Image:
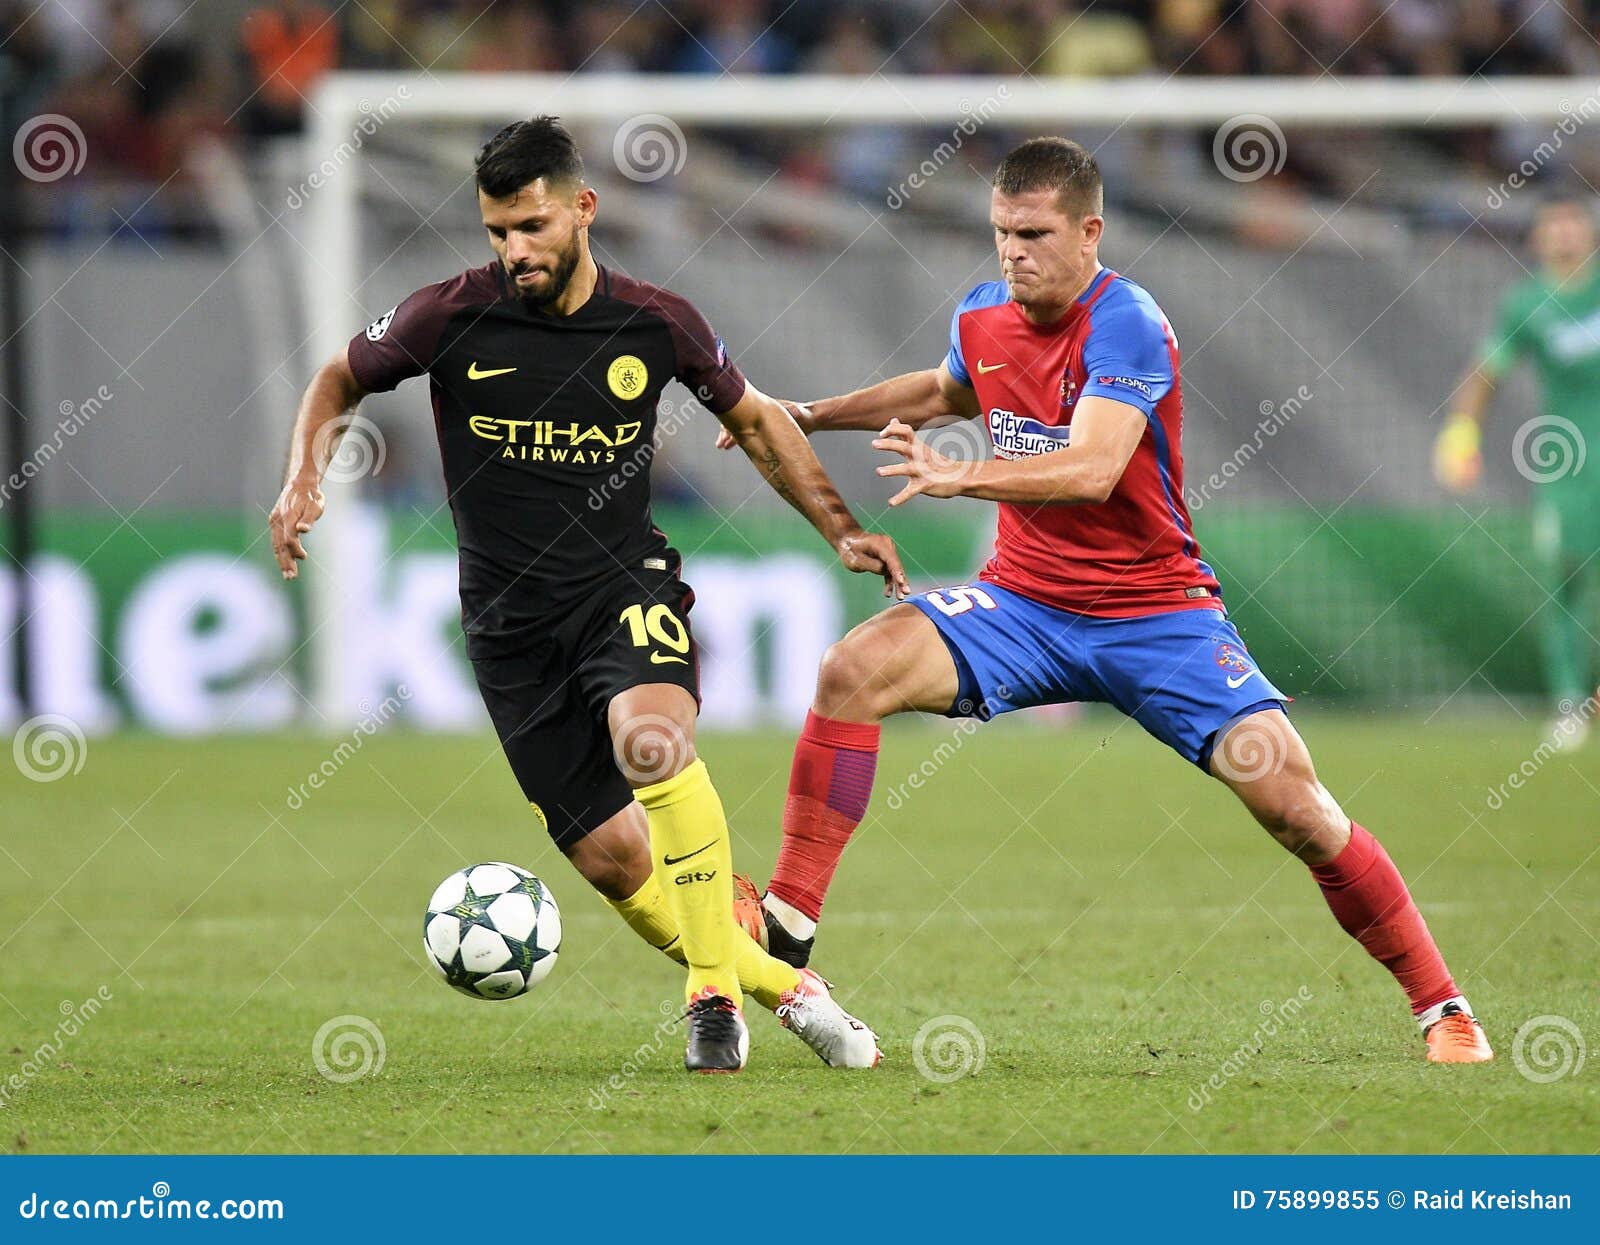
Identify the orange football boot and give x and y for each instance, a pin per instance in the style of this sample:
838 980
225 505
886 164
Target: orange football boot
1457 1037
747 909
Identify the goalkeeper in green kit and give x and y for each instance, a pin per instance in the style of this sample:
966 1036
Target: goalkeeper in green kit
1553 319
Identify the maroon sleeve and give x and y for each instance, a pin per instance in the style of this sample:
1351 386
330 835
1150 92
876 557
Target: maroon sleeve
703 362
701 358
404 341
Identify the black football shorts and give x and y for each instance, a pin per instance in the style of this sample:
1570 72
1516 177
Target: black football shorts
548 699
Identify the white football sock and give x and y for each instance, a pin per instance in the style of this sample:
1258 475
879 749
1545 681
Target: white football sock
1431 1017
796 923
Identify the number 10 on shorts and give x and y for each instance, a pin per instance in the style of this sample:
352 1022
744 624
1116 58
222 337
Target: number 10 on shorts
658 625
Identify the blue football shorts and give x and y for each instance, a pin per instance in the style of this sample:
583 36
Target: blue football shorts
1182 675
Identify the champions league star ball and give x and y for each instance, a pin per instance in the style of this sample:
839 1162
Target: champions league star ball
492 931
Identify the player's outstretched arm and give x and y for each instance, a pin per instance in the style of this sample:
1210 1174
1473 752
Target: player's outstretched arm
763 428
1457 451
332 394
915 399
1105 434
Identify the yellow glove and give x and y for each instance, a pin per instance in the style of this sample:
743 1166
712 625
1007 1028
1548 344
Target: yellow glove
1458 453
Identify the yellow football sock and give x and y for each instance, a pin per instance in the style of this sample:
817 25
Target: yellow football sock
765 979
645 912
693 859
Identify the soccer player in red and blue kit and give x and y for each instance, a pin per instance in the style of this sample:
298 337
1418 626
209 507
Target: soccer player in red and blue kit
1096 591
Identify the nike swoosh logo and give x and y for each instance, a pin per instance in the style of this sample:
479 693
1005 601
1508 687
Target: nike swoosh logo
993 367
660 659
1239 682
678 860
474 372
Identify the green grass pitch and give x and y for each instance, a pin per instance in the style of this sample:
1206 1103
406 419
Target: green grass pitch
1106 920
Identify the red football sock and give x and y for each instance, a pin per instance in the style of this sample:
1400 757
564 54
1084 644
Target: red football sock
829 786
1370 900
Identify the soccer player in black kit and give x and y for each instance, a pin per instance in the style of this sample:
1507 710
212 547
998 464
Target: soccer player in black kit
545 370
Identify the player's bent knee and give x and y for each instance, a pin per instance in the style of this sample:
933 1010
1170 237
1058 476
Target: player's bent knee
652 737
652 752
850 679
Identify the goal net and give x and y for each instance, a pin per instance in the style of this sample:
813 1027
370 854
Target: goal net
1329 254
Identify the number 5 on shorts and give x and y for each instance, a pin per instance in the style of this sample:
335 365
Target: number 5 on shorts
960 600
657 626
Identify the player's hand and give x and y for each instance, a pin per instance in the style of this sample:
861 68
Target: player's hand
1458 453
925 469
798 411
299 506
874 553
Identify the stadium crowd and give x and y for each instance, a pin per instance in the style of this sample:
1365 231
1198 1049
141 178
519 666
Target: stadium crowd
142 78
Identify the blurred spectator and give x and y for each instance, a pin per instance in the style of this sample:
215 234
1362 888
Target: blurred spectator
139 102
289 44
615 38
1087 40
30 59
515 36
1421 32
82 30
734 36
374 33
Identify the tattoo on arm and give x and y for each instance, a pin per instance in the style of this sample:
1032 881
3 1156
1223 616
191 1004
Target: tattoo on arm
772 468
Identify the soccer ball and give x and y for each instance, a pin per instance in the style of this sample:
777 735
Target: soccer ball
492 931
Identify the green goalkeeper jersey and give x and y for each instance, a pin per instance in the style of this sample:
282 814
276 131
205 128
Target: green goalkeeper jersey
1558 328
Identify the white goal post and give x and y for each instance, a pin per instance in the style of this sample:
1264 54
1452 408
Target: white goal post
344 102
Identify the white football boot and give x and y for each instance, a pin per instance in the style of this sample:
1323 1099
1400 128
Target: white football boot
839 1039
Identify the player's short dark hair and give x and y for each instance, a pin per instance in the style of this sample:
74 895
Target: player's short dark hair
525 151
1058 164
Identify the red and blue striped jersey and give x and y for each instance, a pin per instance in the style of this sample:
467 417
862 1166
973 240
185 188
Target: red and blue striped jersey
1135 553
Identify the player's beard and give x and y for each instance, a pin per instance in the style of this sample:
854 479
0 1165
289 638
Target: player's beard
560 278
